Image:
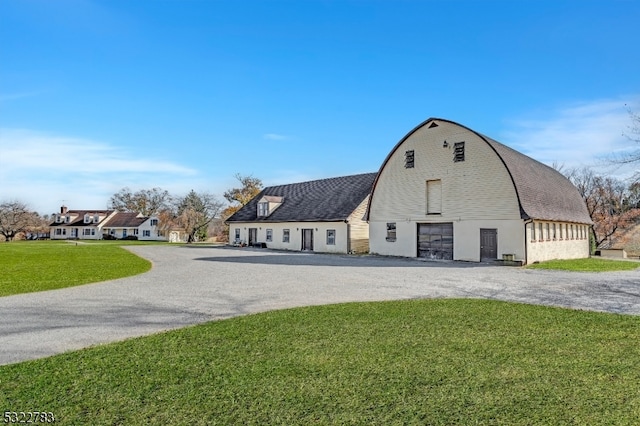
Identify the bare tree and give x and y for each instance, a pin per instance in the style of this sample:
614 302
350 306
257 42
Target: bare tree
148 202
15 218
611 204
238 197
194 213
633 135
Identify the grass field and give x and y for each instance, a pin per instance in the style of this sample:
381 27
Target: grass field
437 362
592 264
29 266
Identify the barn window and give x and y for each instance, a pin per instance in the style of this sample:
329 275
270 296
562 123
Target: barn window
533 232
434 196
391 231
409 159
331 237
458 152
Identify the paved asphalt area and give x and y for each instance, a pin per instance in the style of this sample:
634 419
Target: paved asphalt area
190 285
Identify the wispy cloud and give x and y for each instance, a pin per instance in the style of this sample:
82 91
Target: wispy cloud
5 97
275 137
43 169
576 135
26 149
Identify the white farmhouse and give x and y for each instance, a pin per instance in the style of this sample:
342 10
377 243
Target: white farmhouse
99 224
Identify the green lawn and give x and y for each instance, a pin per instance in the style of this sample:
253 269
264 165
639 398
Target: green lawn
29 266
436 362
592 264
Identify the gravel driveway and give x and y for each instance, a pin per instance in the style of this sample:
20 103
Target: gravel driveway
189 285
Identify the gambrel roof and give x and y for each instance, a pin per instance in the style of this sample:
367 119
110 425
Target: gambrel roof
543 193
324 200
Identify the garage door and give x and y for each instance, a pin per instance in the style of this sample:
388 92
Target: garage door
435 241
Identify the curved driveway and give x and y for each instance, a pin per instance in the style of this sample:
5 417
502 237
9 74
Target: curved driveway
189 285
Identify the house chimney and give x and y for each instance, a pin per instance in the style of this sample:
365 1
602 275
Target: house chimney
63 209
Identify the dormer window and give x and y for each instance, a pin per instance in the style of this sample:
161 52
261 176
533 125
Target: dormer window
263 209
96 218
268 204
67 219
87 218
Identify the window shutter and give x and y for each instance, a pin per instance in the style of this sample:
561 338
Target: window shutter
434 196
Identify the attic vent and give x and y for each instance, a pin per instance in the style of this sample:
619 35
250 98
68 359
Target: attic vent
458 152
408 159
433 124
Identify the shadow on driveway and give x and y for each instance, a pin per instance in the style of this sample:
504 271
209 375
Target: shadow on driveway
258 257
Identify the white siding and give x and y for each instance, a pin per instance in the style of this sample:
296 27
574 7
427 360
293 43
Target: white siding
434 197
565 245
475 193
295 235
478 188
359 229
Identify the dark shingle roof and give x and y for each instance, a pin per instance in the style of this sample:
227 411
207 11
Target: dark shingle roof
543 193
125 220
79 220
323 200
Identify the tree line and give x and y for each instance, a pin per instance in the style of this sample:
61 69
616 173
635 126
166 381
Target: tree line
613 203
194 213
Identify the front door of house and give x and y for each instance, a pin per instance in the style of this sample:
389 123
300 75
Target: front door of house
307 239
488 244
253 236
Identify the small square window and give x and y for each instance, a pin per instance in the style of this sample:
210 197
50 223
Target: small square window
391 231
458 152
409 157
331 237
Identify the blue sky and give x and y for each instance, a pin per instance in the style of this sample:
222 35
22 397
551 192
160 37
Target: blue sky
98 95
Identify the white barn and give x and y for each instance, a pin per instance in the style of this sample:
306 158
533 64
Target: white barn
448 192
